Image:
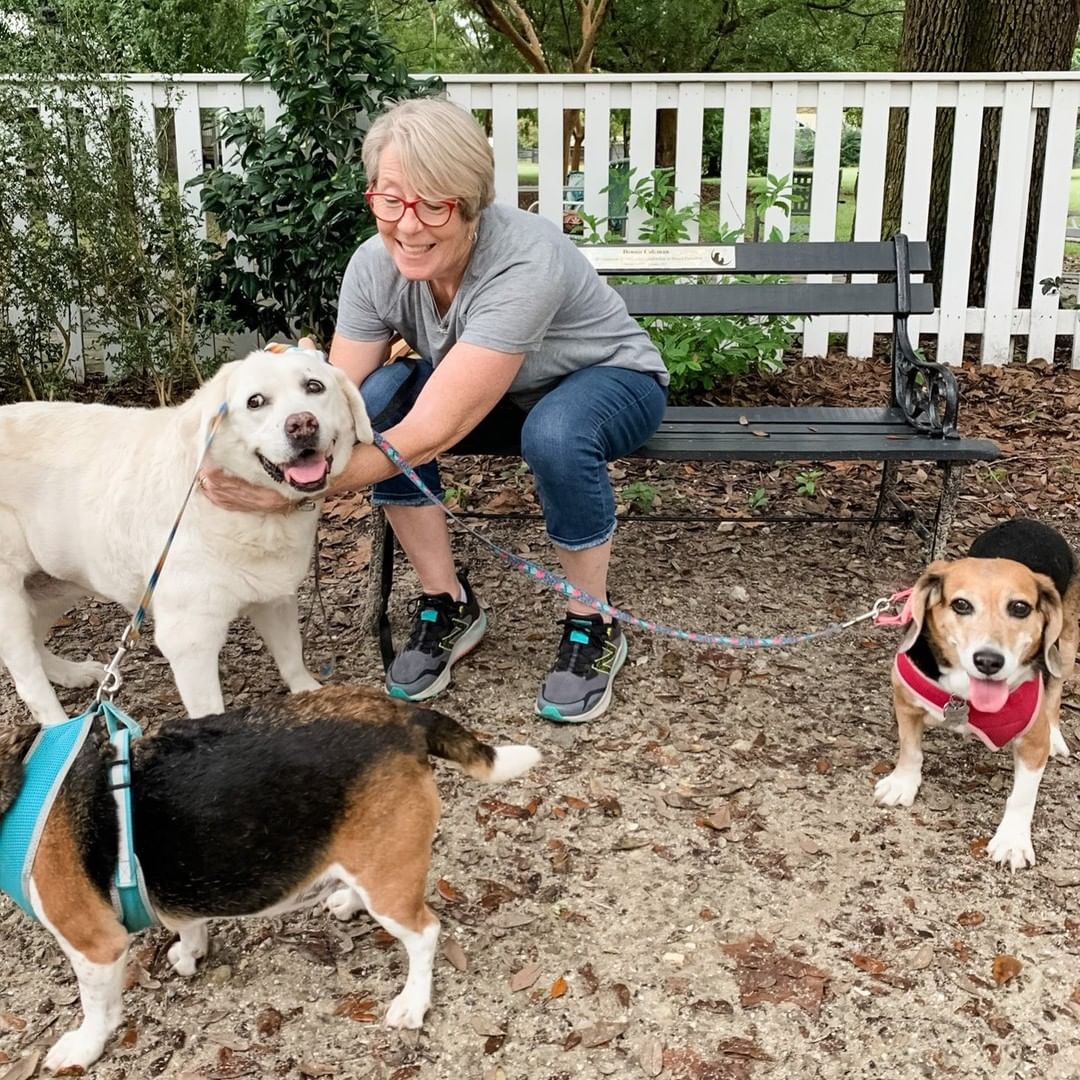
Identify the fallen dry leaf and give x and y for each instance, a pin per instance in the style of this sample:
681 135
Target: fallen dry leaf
24 1068
10 1022
601 1034
449 893
765 975
650 1056
314 1068
268 1022
358 1007
485 1026
454 953
1004 968
523 979
971 918
558 988
870 964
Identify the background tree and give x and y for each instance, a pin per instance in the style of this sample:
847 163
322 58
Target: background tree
978 35
296 213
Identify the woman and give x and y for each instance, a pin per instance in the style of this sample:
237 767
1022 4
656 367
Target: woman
525 347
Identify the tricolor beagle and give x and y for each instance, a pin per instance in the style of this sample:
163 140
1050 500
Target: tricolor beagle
325 795
998 630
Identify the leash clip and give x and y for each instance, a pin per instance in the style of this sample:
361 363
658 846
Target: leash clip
112 680
883 605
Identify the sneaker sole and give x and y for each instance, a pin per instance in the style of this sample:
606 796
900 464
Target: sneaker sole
465 645
551 712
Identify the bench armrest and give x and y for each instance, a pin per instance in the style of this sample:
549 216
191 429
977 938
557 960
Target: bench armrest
926 391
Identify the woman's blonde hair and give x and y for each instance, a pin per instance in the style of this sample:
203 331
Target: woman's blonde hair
443 152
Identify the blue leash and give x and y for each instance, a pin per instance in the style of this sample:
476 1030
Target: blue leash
559 584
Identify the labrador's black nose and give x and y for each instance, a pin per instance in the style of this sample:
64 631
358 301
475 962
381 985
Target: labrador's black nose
988 661
301 425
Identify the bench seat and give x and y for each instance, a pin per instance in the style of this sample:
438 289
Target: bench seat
807 433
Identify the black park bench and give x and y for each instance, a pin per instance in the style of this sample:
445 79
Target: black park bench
918 423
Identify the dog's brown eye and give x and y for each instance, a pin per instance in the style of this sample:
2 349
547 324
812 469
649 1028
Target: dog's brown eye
315 387
962 606
1019 609
256 401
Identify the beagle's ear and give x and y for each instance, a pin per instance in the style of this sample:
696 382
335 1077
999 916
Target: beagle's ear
927 592
1052 612
361 423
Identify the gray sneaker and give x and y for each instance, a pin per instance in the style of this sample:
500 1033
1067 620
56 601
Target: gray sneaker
578 687
444 630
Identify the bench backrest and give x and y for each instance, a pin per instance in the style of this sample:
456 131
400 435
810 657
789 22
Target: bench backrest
897 257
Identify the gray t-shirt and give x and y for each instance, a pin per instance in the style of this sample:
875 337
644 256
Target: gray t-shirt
527 289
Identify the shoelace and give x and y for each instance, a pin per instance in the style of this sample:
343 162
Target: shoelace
426 634
578 657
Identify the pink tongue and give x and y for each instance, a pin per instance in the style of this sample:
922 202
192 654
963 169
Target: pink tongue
988 695
307 471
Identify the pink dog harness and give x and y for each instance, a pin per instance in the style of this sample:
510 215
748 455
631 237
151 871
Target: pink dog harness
995 729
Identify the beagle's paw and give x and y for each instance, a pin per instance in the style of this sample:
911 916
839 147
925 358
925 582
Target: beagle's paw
899 788
1058 746
407 1010
1011 845
344 903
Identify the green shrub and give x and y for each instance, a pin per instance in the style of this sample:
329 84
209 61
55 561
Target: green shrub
701 352
88 231
293 217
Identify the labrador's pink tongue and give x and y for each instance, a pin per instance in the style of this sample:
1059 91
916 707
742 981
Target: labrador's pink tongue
307 471
988 695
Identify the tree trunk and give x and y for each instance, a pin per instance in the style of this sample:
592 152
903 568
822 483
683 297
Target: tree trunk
977 35
666 127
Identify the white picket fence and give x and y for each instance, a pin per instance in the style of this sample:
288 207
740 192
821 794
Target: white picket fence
822 100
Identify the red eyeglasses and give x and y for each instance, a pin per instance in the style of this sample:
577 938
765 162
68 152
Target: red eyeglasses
430 212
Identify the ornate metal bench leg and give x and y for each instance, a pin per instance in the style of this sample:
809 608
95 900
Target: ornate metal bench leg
886 498
950 492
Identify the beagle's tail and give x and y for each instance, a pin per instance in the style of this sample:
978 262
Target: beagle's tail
14 743
447 739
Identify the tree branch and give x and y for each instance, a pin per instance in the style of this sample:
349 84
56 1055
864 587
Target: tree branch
592 14
526 42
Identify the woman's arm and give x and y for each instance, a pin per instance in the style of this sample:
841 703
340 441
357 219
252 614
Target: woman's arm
463 389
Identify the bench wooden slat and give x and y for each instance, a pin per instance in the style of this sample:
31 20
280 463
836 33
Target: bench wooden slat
814 257
833 446
783 414
787 299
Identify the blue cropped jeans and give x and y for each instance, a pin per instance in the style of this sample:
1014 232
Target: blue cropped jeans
591 417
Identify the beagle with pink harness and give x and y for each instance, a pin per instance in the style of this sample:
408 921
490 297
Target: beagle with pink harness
997 630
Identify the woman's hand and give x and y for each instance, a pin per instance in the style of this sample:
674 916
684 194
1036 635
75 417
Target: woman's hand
231 493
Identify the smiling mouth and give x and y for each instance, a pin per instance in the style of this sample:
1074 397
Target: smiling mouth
308 471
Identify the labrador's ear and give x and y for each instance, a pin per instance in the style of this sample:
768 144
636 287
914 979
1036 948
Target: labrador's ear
201 408
927 592
1052 611
361 422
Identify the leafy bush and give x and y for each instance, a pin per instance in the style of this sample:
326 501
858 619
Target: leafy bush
93 245
850 142
293 217
701 352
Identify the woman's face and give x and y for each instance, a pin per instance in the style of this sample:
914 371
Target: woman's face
420 252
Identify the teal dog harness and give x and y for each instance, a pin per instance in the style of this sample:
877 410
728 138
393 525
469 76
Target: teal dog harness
45 768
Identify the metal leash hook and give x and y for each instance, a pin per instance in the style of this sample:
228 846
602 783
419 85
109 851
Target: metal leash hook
112 680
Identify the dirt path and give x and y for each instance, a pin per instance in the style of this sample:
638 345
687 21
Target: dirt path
697 887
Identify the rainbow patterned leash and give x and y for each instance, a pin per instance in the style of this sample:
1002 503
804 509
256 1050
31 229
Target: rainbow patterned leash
561 585
111 680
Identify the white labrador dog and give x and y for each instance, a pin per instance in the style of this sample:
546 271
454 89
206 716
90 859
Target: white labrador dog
88 494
